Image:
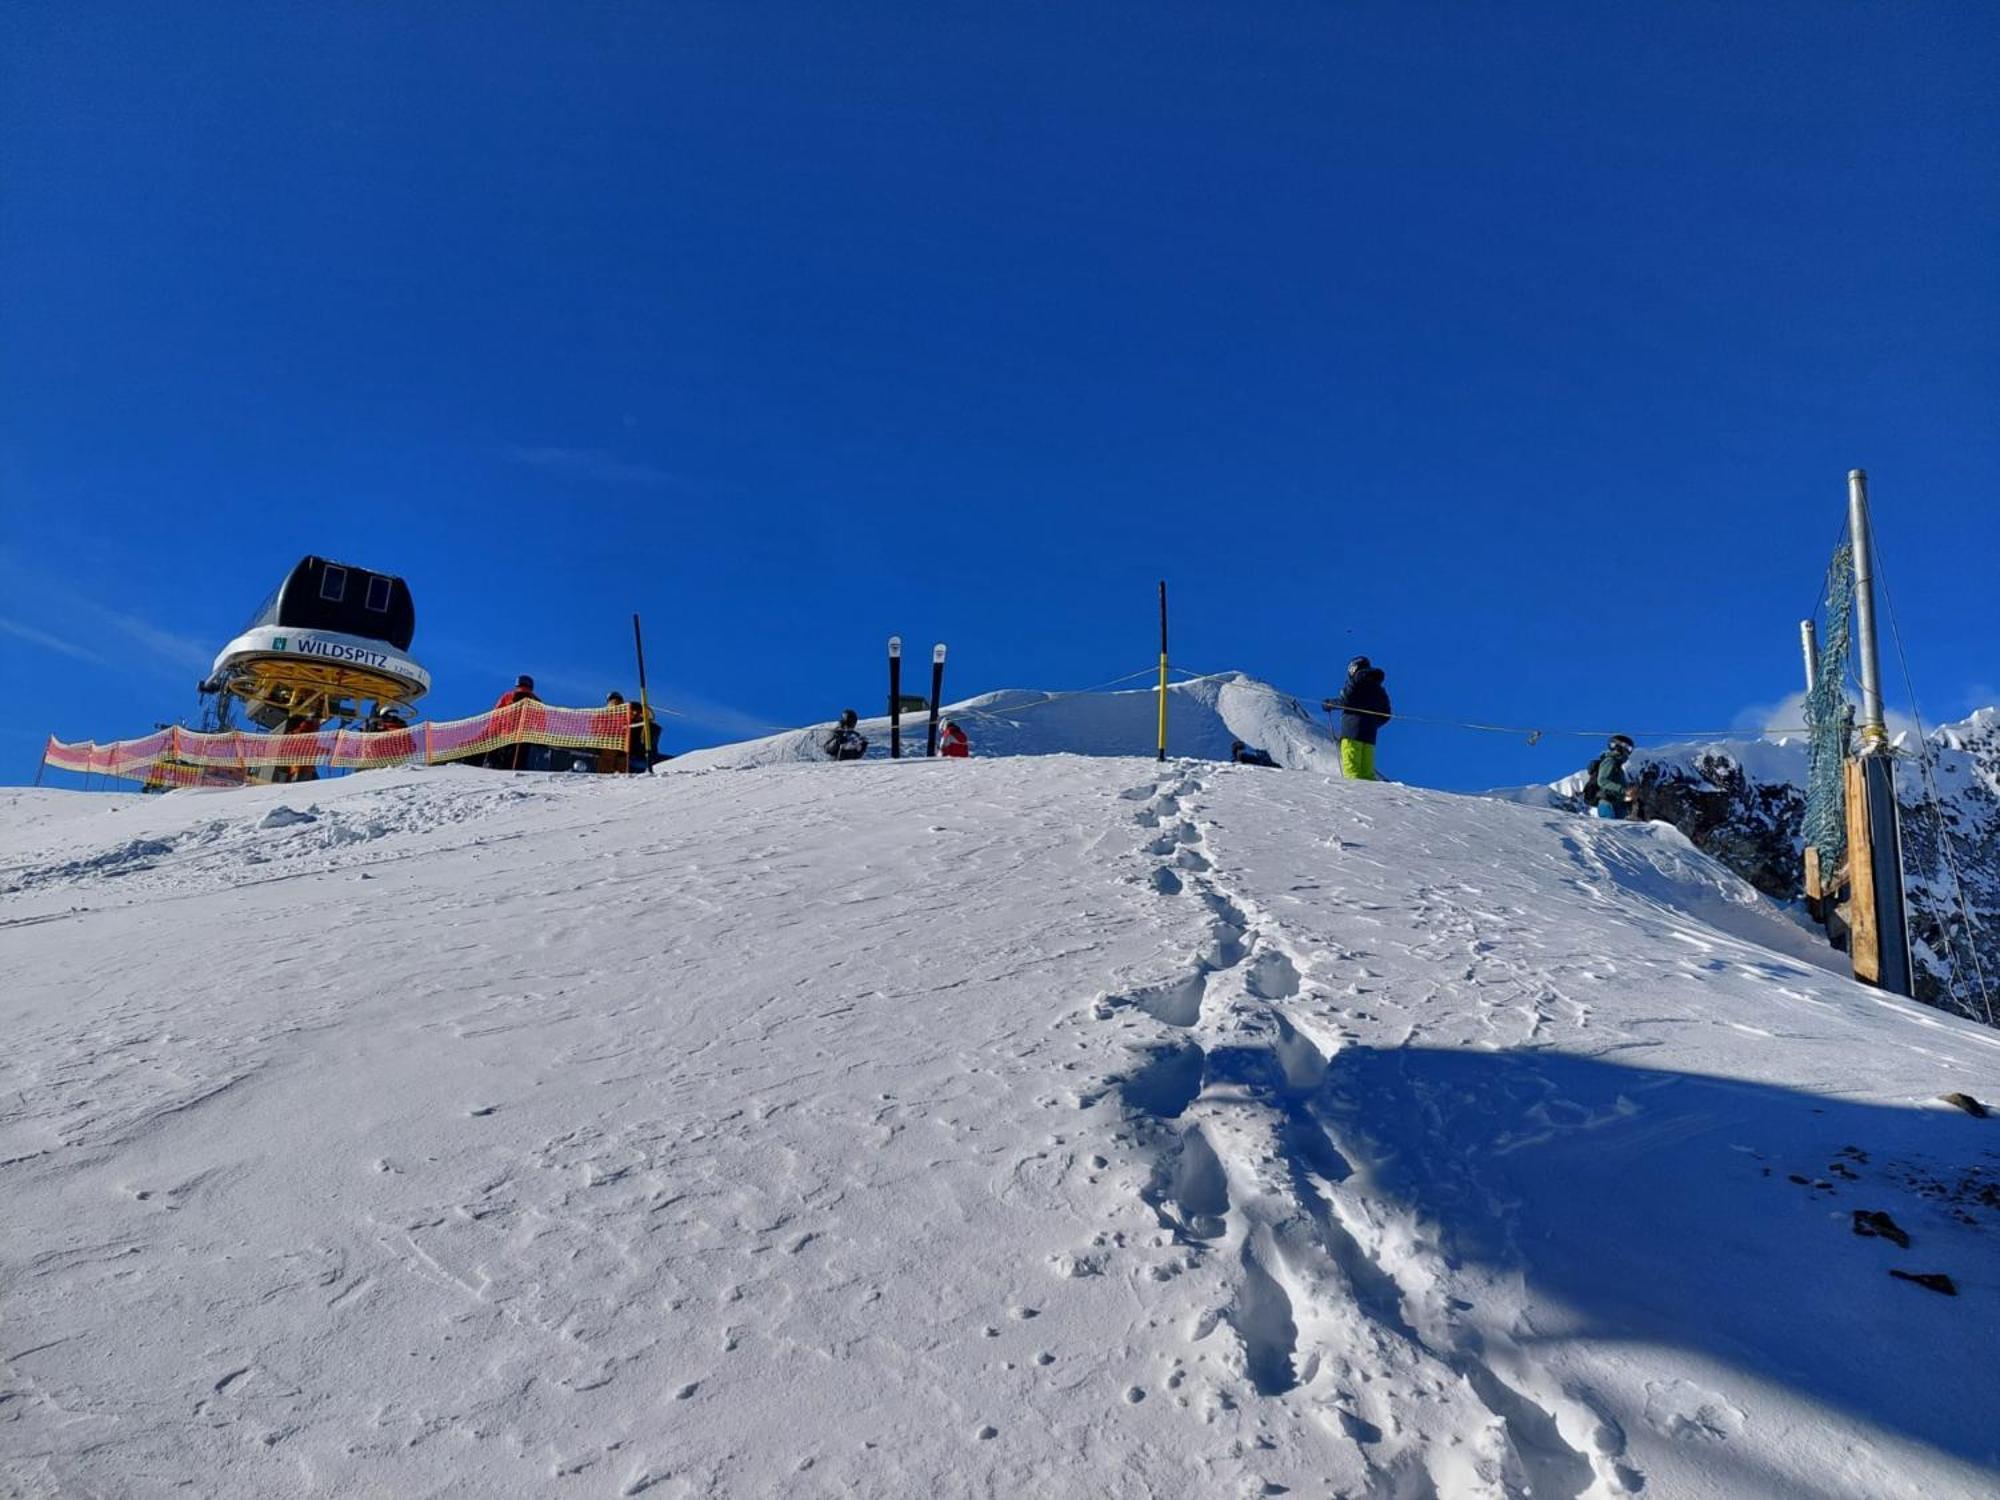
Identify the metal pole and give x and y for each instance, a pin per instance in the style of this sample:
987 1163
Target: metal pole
645 708
1874 732
1880 817
1163 669
937 695
1809 644
895 697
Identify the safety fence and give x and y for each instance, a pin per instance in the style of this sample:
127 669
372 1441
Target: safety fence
187 757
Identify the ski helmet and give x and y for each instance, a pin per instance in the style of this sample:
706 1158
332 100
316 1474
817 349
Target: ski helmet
1359 665
848 718
1621 744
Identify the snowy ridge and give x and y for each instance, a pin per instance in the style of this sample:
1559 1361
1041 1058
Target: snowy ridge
1203 716
1048 1125
1743 801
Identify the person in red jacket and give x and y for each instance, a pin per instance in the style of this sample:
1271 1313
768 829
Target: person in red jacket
517 757
954 743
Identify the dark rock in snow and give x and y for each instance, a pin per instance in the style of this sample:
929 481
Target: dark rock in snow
1872 1223
1936 1281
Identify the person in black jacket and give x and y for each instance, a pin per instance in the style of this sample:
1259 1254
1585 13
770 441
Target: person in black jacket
846 742
1364 709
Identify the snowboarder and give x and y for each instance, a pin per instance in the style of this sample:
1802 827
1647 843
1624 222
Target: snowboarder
1364 709
1248 755
846 742
954 743
1607 788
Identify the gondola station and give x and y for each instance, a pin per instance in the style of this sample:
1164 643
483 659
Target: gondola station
331 643
324 670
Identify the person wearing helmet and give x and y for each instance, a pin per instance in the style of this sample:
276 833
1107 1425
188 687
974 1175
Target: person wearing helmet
1608 788
954 743
846 742
1250 755
1364 708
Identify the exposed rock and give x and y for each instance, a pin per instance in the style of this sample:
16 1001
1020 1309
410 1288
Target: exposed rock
1872 1223
1936 1281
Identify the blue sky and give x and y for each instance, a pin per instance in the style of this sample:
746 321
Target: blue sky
1526 352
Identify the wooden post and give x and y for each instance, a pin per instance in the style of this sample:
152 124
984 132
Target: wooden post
1864 942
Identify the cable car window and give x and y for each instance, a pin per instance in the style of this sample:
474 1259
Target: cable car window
378 593
333 584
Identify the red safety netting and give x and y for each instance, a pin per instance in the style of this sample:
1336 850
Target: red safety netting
185 757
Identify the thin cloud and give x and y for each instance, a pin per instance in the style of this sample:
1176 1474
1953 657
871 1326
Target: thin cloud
103 627
49 642
692 708
1788 716
596 466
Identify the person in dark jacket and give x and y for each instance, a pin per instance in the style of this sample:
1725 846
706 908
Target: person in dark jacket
1248 755
642 745
1614 789
1364 708
846 742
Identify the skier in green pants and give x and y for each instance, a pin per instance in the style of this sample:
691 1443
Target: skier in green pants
1364 709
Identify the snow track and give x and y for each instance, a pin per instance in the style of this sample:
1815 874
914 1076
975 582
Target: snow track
1053 1126
1251 1170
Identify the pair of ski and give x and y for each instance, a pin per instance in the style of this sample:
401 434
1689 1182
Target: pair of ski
896 696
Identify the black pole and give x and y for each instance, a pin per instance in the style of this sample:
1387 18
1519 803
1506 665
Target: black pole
895 697
645 707
937 695
1163 669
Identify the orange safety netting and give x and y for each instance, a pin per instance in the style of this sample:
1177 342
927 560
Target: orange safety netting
186 757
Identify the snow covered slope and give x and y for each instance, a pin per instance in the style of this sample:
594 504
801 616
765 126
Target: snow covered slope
1049 1126
1203 716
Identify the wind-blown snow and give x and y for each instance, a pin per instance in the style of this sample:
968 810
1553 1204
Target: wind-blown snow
1037 1126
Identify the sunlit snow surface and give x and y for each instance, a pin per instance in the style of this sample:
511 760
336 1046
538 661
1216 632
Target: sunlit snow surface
1042 1126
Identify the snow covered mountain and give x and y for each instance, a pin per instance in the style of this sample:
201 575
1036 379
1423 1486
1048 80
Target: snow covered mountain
1042 1125
1203 717
1743 801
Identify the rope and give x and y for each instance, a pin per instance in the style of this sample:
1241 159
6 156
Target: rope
1935 801
1533 732
1028 708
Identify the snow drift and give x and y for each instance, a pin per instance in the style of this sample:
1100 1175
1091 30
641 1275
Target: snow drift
1204 716
1038 1126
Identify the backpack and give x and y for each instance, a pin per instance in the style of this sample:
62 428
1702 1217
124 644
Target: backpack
1590 787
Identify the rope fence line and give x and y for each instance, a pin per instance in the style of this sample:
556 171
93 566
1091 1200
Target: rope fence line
1531 731
186 757
177 756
